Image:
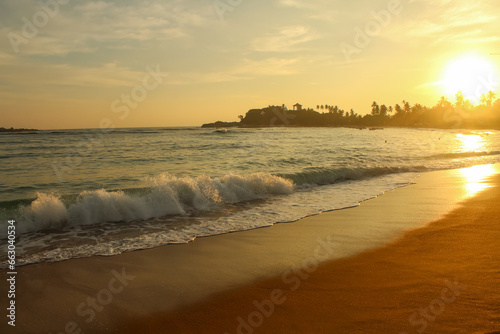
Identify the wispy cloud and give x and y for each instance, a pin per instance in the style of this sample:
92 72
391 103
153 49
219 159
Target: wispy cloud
32 76
317 10
81 26
452 21
326 15
296 3
284 40
245 70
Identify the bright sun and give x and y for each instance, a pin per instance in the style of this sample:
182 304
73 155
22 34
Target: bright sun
473 75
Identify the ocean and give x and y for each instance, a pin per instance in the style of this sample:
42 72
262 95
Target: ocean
81 193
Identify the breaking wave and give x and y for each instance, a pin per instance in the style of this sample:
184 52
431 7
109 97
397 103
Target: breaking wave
166 195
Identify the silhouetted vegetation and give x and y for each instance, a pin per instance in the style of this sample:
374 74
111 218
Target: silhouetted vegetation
16 130
445 115
220 124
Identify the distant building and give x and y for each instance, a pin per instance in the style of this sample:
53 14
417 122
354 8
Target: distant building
297 106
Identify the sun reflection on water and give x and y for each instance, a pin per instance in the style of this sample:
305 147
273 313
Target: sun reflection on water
471 143
475 178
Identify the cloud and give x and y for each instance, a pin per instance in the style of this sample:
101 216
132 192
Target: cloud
23 75
326 15
452 21
245 70
285 40
81 26
27 76
317 10
296 3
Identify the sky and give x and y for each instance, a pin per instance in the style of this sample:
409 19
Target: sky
81 64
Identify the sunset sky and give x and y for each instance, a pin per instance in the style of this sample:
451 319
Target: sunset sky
70 65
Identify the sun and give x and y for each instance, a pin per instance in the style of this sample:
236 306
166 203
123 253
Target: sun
471 74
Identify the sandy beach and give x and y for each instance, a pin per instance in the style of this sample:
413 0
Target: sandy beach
440 275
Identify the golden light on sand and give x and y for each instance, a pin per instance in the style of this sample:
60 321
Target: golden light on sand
470 143
473 75
475 178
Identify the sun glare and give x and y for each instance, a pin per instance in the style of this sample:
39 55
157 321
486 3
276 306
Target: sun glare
473 75
471 143
476 178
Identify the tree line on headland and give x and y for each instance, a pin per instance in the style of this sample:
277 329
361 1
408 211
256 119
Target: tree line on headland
2 129
445 115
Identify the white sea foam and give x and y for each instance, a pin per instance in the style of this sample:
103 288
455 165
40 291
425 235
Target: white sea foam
47 211
168 195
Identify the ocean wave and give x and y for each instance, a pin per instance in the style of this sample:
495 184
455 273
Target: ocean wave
461 155
18 133
134 132
180 129
167 195
60 132
325 176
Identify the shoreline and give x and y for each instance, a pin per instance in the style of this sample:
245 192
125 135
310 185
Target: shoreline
178 277
441 278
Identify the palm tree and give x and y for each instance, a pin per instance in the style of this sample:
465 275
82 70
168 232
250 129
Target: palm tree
459 99
444 103
383 110
375 109
488 98
407 107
